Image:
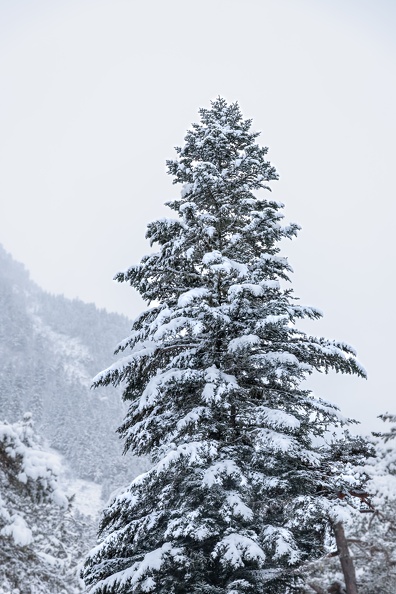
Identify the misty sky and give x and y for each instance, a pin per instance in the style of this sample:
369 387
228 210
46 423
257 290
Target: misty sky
95 94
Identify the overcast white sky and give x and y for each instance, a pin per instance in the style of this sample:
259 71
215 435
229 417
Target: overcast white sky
96 93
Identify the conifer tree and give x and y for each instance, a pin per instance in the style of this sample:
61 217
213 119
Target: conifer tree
371 535
41 538
241 487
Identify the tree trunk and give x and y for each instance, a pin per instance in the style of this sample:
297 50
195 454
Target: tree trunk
348 568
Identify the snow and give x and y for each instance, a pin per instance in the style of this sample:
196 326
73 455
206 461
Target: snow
234 549
217 384
239 508
186 188
225 265
216 473
189 524
278 418
72 351
272 320
37 464
274 441
336 511
87 496
209 230
50 560
188 297
257 290
213 374
283 541
136 574
193 417
148 584
282 357
162 379
172 326
152 560
243 342
192 453
18 530
211 257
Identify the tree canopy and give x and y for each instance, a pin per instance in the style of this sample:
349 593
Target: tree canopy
243 484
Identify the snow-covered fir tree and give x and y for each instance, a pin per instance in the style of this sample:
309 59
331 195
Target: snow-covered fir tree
242 487
41 540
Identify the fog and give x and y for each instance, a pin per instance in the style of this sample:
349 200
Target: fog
95 95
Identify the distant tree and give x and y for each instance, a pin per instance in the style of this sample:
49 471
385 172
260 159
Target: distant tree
243 488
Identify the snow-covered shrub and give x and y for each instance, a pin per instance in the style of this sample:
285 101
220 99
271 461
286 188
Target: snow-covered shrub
41 541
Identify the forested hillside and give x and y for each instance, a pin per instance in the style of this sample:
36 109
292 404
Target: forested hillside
50 348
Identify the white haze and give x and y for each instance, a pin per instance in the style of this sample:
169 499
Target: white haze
96 93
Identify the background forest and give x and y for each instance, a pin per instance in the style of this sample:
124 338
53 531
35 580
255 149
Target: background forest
59 463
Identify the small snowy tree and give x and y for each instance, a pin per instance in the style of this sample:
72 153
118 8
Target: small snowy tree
41 542
242 486
371 535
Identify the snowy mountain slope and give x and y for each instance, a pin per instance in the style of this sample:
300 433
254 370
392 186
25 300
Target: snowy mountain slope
50 348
